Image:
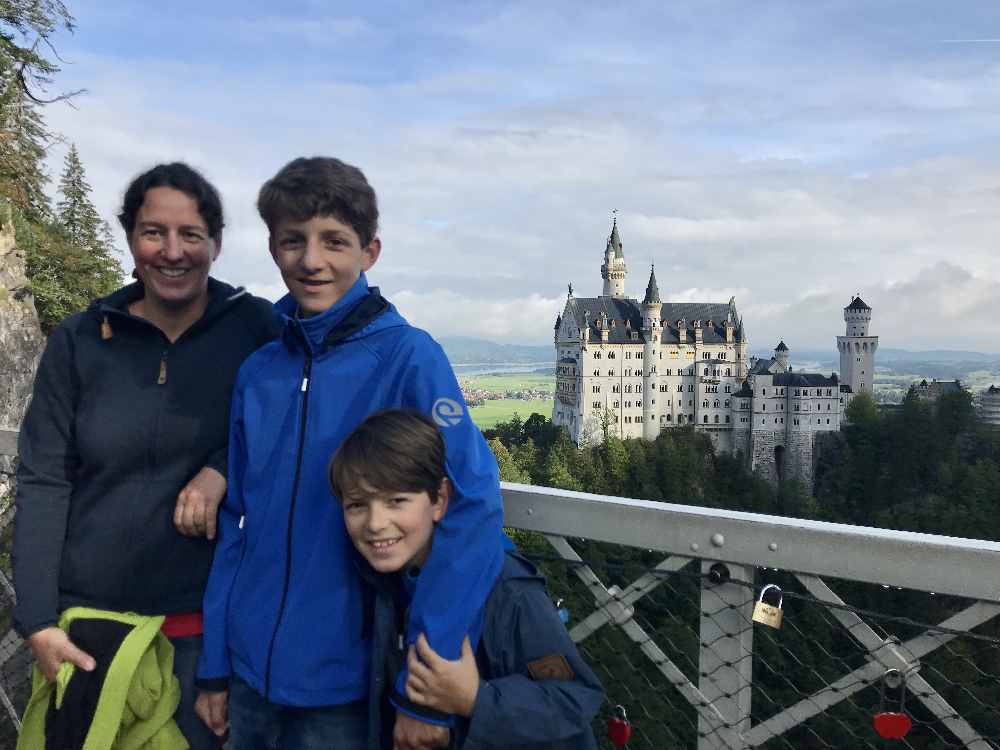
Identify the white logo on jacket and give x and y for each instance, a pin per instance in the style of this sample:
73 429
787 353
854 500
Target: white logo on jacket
447 412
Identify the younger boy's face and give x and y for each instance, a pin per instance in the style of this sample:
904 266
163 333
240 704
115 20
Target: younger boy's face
320 259
393 530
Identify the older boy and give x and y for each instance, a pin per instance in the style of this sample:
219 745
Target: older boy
287 652
526 685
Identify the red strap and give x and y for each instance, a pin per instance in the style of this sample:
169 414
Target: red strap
183 625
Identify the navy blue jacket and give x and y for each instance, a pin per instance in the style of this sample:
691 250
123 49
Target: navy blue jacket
284 608
120 420
513 710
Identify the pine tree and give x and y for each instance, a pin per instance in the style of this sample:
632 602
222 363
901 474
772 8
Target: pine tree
75 211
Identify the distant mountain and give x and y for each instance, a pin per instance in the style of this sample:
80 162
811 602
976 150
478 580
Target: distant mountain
934 356
462 350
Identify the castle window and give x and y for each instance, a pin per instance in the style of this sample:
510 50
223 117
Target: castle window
704 404
763 407
706 371
729 389
776 420
628 420
628 355
763 391
797 392
597 372
706 355
663 389
680 389
635 335
597 404
668 417
628 373
722 355
828 421
728 371
638 389
691 388
727 403
828 407
616 404
795 421
796 407
706 419
611 355
611 373
652 401
628 388
717 419
597 355
673 354
727 419
715 404
597 389
669 372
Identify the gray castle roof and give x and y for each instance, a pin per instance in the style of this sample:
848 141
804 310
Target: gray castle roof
622 310
652 293
804 379
615 241
781 347
857 304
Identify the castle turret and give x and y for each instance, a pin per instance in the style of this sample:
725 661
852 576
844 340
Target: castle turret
857 348
613 269
781 355
652 331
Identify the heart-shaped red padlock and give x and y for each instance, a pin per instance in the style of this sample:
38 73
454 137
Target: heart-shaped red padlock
619 729
892 725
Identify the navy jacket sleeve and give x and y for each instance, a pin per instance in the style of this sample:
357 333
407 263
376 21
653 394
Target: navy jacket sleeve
515 710
214 668
48 458
467 554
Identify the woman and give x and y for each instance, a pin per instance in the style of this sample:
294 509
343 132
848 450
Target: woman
123 449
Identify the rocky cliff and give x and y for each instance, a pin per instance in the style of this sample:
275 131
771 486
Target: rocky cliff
21 339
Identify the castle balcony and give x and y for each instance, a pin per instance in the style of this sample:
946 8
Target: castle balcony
660 598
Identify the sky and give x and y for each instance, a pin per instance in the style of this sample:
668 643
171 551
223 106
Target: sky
788 154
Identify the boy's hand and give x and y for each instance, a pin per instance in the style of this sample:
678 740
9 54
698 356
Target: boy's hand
51 647
413 734
213 709
197 509
447 686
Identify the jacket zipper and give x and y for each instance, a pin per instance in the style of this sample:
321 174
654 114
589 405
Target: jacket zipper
307 370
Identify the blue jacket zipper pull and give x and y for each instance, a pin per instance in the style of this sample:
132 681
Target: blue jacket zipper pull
162 379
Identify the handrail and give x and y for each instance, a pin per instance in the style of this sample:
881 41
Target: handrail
906 559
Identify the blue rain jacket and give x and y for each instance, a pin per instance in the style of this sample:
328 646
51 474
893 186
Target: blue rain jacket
284 606
514 710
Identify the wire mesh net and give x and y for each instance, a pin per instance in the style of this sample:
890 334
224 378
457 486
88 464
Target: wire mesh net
679 650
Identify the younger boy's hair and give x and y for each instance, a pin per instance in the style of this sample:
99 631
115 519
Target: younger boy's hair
320 186
396 450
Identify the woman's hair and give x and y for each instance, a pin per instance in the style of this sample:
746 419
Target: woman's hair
320 186
396 450
178 176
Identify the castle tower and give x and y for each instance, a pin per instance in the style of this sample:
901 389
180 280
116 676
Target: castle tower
613 269
857 348
652 331
781 355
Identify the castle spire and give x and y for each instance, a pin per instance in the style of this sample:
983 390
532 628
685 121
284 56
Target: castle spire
613 270
652 292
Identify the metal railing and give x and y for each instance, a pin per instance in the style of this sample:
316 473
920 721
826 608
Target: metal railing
660 599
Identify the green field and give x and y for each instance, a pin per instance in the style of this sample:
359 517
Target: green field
503 409
512 381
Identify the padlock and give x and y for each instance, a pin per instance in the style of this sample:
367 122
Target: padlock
619 729
768 614
562 612
892 725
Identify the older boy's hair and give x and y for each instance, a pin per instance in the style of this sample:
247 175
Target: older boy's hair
320 186
397 450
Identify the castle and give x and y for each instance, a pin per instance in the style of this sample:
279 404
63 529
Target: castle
632 369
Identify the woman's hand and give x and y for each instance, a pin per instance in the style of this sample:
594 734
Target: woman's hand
51 647
198 503
213 709
447 686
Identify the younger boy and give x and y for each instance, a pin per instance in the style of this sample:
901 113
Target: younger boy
526 685
287 649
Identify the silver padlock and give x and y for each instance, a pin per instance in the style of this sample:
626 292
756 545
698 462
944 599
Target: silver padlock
768 614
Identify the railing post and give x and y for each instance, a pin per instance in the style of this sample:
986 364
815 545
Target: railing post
725 662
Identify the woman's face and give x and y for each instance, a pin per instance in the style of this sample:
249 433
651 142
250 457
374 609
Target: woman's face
172 248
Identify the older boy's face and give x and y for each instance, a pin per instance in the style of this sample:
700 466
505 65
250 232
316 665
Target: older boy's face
320 259
393 530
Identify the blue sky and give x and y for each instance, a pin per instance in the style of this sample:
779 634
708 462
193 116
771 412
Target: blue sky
787 153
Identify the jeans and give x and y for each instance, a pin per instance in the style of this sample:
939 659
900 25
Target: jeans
199 736
256 724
